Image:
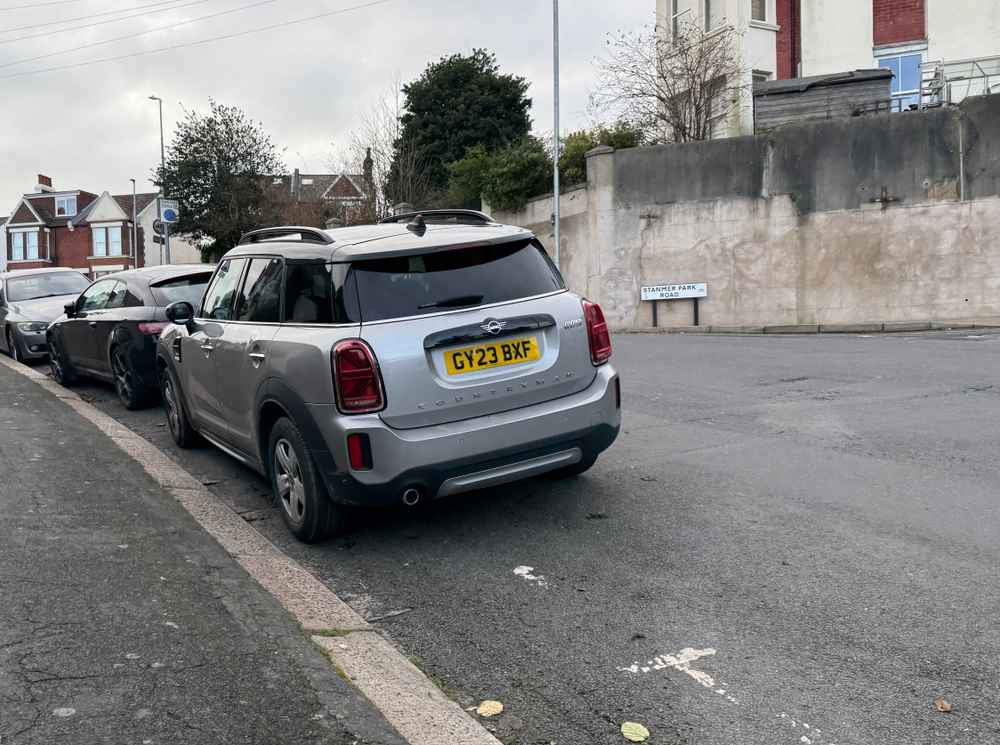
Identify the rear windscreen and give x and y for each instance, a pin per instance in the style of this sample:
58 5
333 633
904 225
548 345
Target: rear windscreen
404 286
189 289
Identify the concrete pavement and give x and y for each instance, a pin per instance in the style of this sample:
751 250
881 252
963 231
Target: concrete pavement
122 621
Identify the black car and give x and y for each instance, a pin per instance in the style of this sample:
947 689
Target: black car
110 331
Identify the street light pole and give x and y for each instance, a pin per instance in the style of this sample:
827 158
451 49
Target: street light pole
135 230
163 174
556 145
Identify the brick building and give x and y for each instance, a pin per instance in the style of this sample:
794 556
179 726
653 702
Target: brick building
783 39
74 228
898 35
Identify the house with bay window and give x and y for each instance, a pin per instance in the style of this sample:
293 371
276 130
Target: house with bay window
73 228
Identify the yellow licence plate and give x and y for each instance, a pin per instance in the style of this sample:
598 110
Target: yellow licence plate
494 354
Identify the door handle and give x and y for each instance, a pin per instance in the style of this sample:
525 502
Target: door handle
92 324
207 348
257 358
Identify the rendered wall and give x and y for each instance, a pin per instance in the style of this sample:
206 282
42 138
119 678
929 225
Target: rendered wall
784 229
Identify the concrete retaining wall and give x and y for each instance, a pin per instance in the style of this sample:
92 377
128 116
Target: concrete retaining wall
783 228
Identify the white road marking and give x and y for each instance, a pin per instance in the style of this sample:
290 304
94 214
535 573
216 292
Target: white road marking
682 663
63 713
815 736
528 574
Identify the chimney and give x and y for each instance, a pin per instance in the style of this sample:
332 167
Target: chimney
44 184
369 175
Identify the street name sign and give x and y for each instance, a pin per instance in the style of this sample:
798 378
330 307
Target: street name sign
685 291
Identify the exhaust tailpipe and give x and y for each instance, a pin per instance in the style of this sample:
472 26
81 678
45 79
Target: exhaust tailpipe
411 496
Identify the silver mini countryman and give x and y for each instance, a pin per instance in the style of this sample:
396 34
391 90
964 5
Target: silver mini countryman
426 356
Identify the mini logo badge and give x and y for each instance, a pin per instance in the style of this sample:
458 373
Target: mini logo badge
493 326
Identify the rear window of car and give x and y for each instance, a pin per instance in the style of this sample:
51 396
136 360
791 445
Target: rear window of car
405 286
189 289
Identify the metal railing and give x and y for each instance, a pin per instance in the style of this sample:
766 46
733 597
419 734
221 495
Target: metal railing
952 81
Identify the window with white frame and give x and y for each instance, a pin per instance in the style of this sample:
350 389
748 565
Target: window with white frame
17 247
758 10
115 241
100 241
108 241
32 246
65 206
905 78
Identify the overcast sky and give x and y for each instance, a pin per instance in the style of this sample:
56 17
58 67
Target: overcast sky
93 127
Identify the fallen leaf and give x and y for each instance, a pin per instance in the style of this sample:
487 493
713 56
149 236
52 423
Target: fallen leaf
489 708
635 732
943 706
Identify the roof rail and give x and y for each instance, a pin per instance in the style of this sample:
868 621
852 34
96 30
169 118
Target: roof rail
436 217
309 235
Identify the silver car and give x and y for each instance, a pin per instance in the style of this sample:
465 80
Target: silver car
420 358
30 299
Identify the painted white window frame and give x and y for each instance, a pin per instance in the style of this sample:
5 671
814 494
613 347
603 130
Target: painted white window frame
66 200
765 3
17 245
100 242
898 51
107 231
31 247
114 231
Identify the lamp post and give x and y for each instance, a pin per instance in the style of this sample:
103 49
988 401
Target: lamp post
135 230
163 173
556 145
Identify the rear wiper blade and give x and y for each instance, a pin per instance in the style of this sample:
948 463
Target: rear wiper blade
453 302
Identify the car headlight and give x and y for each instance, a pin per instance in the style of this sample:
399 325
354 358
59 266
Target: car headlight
32 327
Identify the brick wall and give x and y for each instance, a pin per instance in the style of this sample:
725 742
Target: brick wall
72 247
899 21
789 38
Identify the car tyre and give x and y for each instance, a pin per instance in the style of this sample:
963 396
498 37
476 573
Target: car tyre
177 418
298 488
131 392
13 349
62 371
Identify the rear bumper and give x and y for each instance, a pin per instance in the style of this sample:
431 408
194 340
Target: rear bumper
461 456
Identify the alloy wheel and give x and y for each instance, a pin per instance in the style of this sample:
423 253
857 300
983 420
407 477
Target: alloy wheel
123 376
55 363
15 353
288 477
170 404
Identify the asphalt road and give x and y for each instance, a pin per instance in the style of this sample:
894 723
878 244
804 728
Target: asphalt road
795 540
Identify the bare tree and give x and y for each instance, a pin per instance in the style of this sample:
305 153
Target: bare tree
375 137
676 88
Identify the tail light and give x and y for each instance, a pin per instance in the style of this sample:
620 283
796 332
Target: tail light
152 329
597 332
356 378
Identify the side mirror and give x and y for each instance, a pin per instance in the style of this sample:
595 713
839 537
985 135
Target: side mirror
70 309
181 313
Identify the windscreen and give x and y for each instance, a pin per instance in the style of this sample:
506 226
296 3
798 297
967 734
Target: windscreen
187 289
35 286
405 286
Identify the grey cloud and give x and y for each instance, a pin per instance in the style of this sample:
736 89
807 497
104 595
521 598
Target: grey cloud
93 127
